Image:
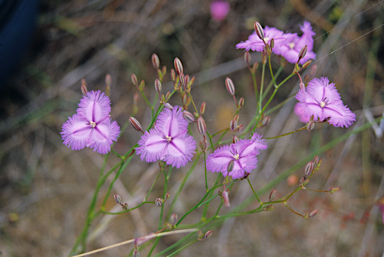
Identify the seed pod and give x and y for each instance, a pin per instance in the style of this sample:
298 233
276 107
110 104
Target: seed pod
188 116
302 52
155 61
247 58
259 30
135 124
202 108
134 80
230 86
178 66
202 127
158 85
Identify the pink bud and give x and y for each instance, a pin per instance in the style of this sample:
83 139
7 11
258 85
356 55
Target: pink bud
302 86
208 234
202 127
84 89
202 108
310 126
178 66
159 202
158 85
247 58
303 52
265 121
168 106
235 139
233 125
272 195
155 61
173 219
241 103
135 124
117 198
188 116
309 168
259 30
230 86
225 196
134 80
203 145
313 213
173 75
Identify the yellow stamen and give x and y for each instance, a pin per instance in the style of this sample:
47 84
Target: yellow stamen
93 124
322 104
291 45
236 156
169 139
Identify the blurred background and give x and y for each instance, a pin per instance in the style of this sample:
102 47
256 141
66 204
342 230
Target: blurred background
45 188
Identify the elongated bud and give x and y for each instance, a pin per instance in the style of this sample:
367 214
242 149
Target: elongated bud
306 64
310 126
168 106
272 195
225 196
167 195
173 219
316 161
230 166
203 145
272 43
134 80
239 128
247 58
259 30
241 103
135 99
264 56
333 189
164 71
233 125
182 79
309 168
265 121
158 85
191 81
135 124
236 118
202 127
117 198
235 139
302 86
136 253
313 213
155 61
187 79
202 108
142 85
159 202
184 99
84 89
173 75
188 116
178 66
302 52
230 86
208 234
200 236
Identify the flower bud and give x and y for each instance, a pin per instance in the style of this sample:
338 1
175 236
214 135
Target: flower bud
188 116
191 81
134 80
200 236
241 103
173 75
178 66
236 118
264 56
316 161
306 64
272 195
164 71
168 106
142 85
247 57
235 139
187 79
167 195
202 108
333 189
313 213
306 215
265 121
84 89
230 86
136 253
310 126
308 168
302 52
302 86
272 43
155 61
173 219
159 202
158 85
230 166
117 198
225 196
312 71
203 145
259 30
239 128
208 234
233 125
135 124
182 79
202 127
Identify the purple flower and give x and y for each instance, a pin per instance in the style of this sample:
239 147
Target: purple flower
322 100
169 140
242 154
254 43
91 126
291 48
219 10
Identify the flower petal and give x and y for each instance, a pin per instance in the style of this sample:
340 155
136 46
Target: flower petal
171 122
103 136
75 132
320 89
180 151
151 146
218 160
94 106
341 116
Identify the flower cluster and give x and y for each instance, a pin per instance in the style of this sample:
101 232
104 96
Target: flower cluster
288 45
91 126
321 100
240 157
168 141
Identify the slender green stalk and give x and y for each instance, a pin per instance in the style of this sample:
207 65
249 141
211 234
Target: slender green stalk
153 184
270 69
271 83
249 182
261 88
125 211
205 171
182 248
286 134
279 105
255 87
204 215
223 130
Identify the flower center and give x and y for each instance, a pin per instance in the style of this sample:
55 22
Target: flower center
236 157
266 39
291 45
323 102
169 139
93 124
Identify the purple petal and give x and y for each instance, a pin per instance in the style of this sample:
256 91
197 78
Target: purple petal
251 146
302 113
180 151
320 89
171 122
75 132
241 166
103 136
218 160
151 146
341 116
94 106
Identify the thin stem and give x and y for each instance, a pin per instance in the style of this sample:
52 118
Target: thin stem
279 105
255 87
261 88
286 134
150 190
223 130
205 171
271 83
193 103
182 248
270 69
210 194
125 211
254 192
210 140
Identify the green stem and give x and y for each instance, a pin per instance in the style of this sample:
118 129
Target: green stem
279 105
271 83
226 129
204 215
286 134
270 69
153 184
205 170
261 88
128 210
255 87
182 248
261 203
